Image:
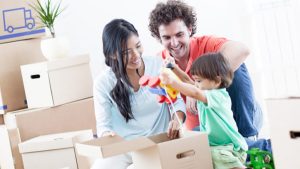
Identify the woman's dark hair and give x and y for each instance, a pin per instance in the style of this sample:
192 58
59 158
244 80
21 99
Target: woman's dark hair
212 65
114 39
165 13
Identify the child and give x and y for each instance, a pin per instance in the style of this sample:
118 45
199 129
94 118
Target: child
212 74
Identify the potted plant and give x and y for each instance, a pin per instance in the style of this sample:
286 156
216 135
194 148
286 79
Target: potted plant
53 47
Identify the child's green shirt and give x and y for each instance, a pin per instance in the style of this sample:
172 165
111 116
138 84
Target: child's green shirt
216 118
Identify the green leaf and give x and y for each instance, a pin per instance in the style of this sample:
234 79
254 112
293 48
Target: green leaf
47 13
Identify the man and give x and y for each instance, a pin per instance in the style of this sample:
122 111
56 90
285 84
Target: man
174 23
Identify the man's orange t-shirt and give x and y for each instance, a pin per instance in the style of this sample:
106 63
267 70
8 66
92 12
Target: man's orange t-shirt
198 47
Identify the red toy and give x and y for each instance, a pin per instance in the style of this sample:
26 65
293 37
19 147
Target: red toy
165 93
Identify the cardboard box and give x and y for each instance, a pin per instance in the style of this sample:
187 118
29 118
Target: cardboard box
85 162
10 157
189 152
57 82
12 94
10 117
1 119
74 116
18 21
52 151
14 138
6 159
284 115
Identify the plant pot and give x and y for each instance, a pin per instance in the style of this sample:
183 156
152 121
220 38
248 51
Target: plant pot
55 48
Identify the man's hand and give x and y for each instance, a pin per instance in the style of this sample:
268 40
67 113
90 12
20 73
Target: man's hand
173 131
191 105
169 61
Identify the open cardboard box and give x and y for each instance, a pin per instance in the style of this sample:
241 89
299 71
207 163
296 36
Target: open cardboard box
189 151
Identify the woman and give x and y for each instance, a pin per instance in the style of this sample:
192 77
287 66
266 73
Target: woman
122 106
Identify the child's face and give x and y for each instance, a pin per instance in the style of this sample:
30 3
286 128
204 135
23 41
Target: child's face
205 84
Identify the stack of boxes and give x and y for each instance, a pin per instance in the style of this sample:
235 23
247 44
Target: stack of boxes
39 97
16 23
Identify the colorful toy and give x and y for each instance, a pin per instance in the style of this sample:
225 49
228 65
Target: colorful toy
156 87
260 159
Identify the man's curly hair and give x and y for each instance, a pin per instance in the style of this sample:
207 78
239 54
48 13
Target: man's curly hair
165 13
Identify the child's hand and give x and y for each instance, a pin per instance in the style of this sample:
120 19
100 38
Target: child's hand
166 78
191 105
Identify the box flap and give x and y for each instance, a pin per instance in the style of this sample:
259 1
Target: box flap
56 64
109 146
163 137
68 61
159 138
10 117
55 141
285 98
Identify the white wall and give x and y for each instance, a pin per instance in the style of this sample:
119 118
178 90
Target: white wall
83 21
278 38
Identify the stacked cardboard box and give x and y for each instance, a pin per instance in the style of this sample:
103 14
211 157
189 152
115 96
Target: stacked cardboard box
6 159
284 115
30 123
18 21
53 151
1 119
14 138
57 82
13 55
78 115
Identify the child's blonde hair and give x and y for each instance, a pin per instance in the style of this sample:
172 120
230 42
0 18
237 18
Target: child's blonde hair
213 65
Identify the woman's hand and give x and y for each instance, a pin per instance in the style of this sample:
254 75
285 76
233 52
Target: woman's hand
173 131
191 105
108 133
